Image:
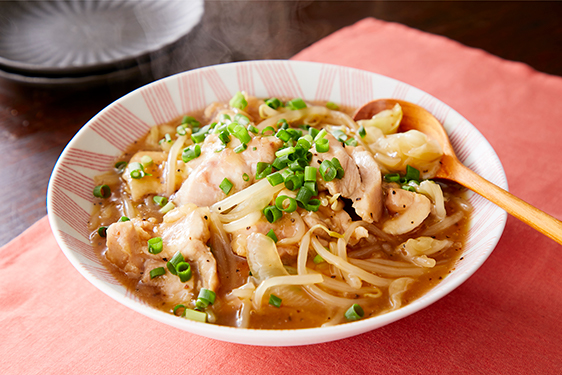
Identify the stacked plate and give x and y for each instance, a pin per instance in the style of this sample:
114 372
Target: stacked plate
83 41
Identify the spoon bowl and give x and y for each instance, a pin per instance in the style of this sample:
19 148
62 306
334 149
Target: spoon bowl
418 118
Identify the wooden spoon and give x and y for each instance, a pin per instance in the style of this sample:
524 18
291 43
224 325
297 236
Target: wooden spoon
418 118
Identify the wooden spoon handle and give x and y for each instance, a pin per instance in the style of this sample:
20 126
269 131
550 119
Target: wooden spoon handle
522 210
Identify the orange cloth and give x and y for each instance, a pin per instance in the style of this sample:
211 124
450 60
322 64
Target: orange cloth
505 319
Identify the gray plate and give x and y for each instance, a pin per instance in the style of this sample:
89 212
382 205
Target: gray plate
54 38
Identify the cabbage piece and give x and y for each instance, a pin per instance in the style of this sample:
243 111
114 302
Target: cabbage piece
386 121
434 192
416 250
394 152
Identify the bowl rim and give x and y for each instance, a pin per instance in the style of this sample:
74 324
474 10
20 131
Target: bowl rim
277 337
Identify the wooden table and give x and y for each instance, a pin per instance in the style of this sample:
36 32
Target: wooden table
37 122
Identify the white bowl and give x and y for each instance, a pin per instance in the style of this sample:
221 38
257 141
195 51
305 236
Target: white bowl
93 150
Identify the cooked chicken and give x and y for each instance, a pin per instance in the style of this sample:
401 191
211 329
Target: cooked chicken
367 198
261 149
138 188
410 209
125 242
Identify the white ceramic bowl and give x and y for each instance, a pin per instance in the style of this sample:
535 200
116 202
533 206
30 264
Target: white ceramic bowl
104 137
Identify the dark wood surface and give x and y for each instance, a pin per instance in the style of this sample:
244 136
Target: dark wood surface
36 122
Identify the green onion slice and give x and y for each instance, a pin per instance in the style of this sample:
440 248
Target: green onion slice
275 178
238 101
328 171
304 195
268 129
351 142
392 177
240 148
183 270
190 153
180 308
173 263
333 106
310 174
167 207
198 316
146 161
355 312
123 218
275 301
362 132
120 166
272 213
285 203
412 173
253 129
157 272
271 234
340 172
155 245
296 103
226 186
161 201
102 191
262 170
273 103
322 145
318 259
245 177
102 232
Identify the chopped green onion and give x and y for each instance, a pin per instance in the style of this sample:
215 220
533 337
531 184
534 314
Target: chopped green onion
339 168
224 137
355 312
293 182
161 201
321 134
296 103
318 259
240 148
241 119
351 142
304 142
281 162
224 118
155 245
167 207
245 177
272 213
120 166
340 135
304 195
392 177
409 188
332 106
242 134
412 173
102 232
181 130
123 219
362 132
268 129
190 153
280 203
275 301
283 135
190 120
137 174
226 185
178 308
205 298
328 171
322 145
184 271
298 165
311 185
282 124
310 174
195 315
313 132
157 272
253 129
167 138
198 137
273 103
312 205
102 191
173 263
271 234
238 101
285 151
275 178
262 170
146 161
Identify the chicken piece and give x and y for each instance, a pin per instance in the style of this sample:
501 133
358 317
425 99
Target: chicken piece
202 185
410 209
351 180
185 229
367 198
261 149
125 242
169 286
148 184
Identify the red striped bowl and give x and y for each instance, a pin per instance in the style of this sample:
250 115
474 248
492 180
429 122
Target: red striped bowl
106 136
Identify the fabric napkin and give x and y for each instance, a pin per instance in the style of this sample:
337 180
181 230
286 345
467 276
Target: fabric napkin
504 320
